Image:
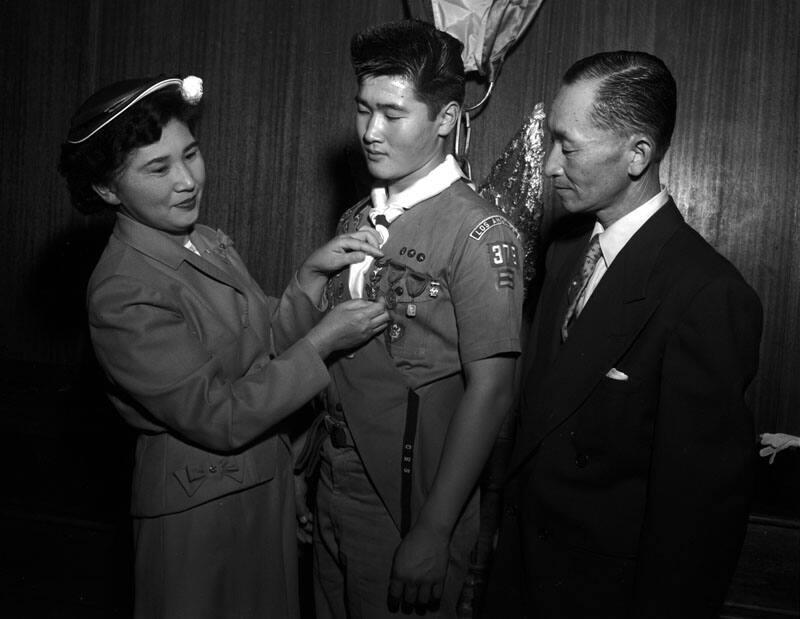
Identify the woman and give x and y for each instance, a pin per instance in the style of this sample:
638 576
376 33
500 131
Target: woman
200 362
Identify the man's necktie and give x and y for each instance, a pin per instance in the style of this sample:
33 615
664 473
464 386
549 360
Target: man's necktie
578 283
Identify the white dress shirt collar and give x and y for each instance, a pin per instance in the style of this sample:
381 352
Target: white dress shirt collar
616 236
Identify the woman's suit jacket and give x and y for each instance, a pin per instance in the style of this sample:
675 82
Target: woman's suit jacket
633 463
200 362
188 343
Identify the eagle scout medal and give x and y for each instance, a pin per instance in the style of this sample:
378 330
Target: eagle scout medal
373 285
415 286
371 291
433 290
330 293
394 273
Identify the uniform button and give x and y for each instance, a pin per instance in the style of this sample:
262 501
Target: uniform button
398 291
581 461
212 469
339 407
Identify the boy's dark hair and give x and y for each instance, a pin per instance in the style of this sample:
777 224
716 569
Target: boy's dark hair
428 58
636 93
97 160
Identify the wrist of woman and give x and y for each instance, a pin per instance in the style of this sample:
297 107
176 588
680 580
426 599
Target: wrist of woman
318 339
308 276
312 283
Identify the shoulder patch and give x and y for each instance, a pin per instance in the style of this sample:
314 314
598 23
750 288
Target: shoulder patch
485 224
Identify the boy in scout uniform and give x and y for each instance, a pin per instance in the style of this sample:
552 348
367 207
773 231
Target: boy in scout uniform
412 415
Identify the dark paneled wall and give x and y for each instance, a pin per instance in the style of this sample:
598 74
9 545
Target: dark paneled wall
279 143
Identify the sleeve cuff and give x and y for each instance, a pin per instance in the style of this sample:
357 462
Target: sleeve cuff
321 305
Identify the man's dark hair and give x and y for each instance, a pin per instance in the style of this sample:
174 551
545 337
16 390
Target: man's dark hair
636 93
428 58
97 160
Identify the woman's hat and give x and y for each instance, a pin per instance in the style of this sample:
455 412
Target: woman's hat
108 103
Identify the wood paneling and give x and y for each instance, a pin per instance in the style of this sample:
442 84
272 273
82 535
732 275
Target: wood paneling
733 167
767 579
278 137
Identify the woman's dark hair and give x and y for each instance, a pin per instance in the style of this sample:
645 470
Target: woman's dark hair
97 160
428 58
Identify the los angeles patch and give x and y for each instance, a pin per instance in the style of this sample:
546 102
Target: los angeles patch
488 223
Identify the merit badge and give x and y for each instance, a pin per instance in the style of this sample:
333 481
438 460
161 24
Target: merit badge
395 331
433 291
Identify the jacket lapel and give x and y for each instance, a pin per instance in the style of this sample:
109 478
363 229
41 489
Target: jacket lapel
159 246
614 316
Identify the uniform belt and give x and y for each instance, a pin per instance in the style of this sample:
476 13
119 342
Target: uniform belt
338 431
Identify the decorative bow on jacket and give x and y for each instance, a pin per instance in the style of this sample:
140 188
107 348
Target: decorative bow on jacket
192 476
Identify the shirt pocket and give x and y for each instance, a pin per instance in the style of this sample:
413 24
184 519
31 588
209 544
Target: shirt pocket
412 299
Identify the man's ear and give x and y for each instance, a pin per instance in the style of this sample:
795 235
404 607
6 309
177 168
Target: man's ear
448 118
642 151
107 194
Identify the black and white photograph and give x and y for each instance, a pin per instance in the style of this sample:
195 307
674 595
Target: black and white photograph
459 309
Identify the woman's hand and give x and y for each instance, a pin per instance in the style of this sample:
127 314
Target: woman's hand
348 325
339 252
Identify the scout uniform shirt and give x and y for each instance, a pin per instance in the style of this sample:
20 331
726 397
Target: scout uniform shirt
451 278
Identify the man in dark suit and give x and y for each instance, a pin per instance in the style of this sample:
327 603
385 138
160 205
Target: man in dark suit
632 470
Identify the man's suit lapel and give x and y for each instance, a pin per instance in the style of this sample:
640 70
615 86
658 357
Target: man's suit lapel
616 313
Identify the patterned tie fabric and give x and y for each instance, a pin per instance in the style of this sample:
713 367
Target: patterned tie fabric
578 284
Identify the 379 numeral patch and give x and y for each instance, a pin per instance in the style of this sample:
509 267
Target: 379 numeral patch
505 258
503 255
